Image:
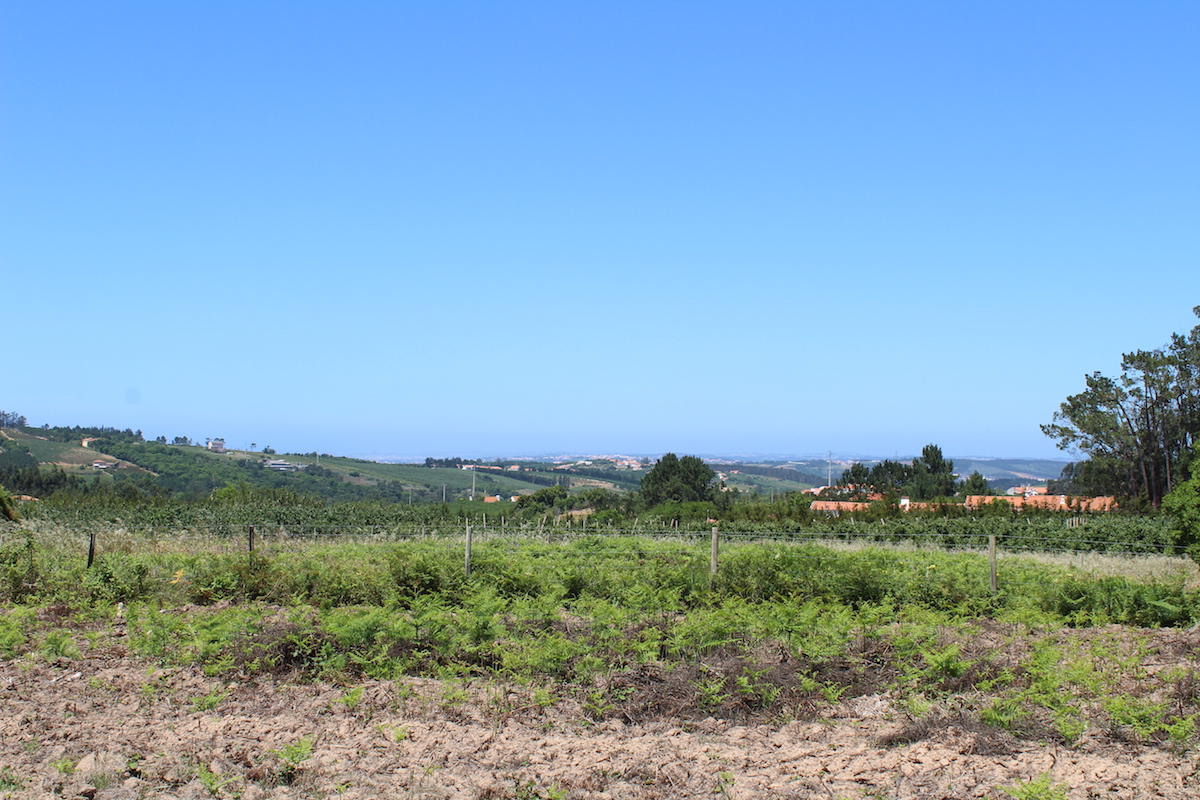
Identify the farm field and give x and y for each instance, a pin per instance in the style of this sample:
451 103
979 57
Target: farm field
51 452
589 667
107 725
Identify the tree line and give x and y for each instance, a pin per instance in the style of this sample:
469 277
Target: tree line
11 419
929 477
782 473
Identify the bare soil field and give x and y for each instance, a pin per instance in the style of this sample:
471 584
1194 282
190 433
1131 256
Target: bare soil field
109 726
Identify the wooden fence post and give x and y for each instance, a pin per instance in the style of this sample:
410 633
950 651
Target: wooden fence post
91 548
468 550
712 565
251 541
992 562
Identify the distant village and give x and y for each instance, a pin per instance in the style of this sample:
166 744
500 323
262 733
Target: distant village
1018 497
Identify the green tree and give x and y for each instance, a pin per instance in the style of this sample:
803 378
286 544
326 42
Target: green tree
11 419
931 476
976 484
889 476
543 498
684 480
1183 503
1138 430
856 475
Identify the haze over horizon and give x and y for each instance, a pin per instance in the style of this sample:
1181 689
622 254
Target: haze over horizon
471 230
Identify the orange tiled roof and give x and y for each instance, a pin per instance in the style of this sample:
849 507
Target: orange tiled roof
838 505
1052 502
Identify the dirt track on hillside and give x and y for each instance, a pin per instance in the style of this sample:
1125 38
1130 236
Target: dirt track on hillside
108 726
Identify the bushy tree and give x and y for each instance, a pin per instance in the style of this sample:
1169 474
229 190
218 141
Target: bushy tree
928 477
1183 503
543 498
976 484
1137 431
684 480
11 419
932 475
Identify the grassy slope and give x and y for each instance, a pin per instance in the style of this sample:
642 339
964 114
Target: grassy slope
762 484
455 480
1016 468
47 452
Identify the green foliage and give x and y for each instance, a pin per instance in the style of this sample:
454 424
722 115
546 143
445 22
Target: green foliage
10 781
211 781
1138 431
59 644
682 480
211 700
976 484
929 477
784 626
712 689
543 498
677 511
291 756
1040 788
8 506
1183 504
20 567
14 631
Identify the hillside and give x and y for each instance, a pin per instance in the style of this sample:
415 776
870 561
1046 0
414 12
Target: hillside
1016 469
196 471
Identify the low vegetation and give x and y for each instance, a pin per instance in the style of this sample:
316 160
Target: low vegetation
636 627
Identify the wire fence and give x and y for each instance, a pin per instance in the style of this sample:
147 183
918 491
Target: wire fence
611 546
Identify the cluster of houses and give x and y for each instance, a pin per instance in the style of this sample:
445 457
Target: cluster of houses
1019 497
509 468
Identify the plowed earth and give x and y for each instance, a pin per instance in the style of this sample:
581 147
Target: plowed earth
110 726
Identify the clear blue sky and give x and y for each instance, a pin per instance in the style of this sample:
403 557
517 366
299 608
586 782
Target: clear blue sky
477 229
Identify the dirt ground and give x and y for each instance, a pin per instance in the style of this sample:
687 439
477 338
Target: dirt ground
108 726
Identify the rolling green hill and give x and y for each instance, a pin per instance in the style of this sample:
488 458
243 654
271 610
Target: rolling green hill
196 471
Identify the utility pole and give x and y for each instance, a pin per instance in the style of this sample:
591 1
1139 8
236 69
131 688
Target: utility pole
829 462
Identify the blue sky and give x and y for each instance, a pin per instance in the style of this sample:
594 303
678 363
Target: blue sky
486 229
